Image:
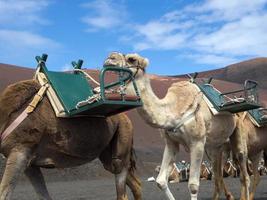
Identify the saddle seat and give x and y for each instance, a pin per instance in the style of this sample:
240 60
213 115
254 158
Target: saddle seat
71 94
258 116
222 102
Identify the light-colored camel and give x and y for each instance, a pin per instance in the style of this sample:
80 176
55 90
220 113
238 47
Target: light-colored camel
174 176
186 119
43 140
175 173
229 169
205 171
256 140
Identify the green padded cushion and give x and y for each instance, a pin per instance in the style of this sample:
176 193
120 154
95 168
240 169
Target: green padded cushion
212 94
257 115
70 88
214 97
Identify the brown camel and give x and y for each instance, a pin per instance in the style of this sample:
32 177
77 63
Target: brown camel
256 141
229 169
185 118
43 140
205 171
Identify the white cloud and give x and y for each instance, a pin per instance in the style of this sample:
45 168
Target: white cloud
104 14
215 32
24 39
22 12
234 9
19 40
159 35
244 37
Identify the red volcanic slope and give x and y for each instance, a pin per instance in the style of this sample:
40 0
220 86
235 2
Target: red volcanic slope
251 69
254 69
10 74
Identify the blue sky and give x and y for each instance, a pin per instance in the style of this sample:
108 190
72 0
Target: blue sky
177 36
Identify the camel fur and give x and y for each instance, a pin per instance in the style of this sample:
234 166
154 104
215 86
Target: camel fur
174 176
185 119
255 139
43 140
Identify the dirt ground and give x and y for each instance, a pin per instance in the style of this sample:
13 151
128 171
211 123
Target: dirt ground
104 189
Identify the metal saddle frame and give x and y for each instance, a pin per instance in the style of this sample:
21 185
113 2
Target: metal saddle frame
71 93
228 101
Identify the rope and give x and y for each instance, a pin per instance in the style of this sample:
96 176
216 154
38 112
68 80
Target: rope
92 99
87 76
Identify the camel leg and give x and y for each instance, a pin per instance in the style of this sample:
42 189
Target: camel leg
16 163
216 165
120 180
196 156
166 165
37 180
216 158
227 193
256 175
239 147
134 184
245 181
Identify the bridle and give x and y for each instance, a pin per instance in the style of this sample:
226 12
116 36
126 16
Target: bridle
136 72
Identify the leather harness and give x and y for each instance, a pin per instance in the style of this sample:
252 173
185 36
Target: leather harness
25 113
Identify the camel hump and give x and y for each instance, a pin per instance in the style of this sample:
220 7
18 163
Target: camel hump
14 97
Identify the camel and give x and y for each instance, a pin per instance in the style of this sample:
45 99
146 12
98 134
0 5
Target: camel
176 172
185 119
229 169
256 141
43 140
205 171
174 176
262 169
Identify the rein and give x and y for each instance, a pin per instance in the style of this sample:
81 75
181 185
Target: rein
138 68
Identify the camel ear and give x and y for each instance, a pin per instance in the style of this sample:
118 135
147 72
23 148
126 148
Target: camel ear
144 63
135 59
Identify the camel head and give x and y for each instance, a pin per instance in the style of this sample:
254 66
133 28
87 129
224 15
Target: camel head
115 59
136 63
133 61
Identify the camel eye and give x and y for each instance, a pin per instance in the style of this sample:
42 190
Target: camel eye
131 60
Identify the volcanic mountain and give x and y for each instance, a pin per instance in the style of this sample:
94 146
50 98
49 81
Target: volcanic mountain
254 69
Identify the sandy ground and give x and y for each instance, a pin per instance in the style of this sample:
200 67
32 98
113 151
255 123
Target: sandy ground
104 189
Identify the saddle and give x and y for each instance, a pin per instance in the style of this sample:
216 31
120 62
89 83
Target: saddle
258 116
219 102
71 94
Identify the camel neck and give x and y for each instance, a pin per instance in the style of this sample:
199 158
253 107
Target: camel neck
154 109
